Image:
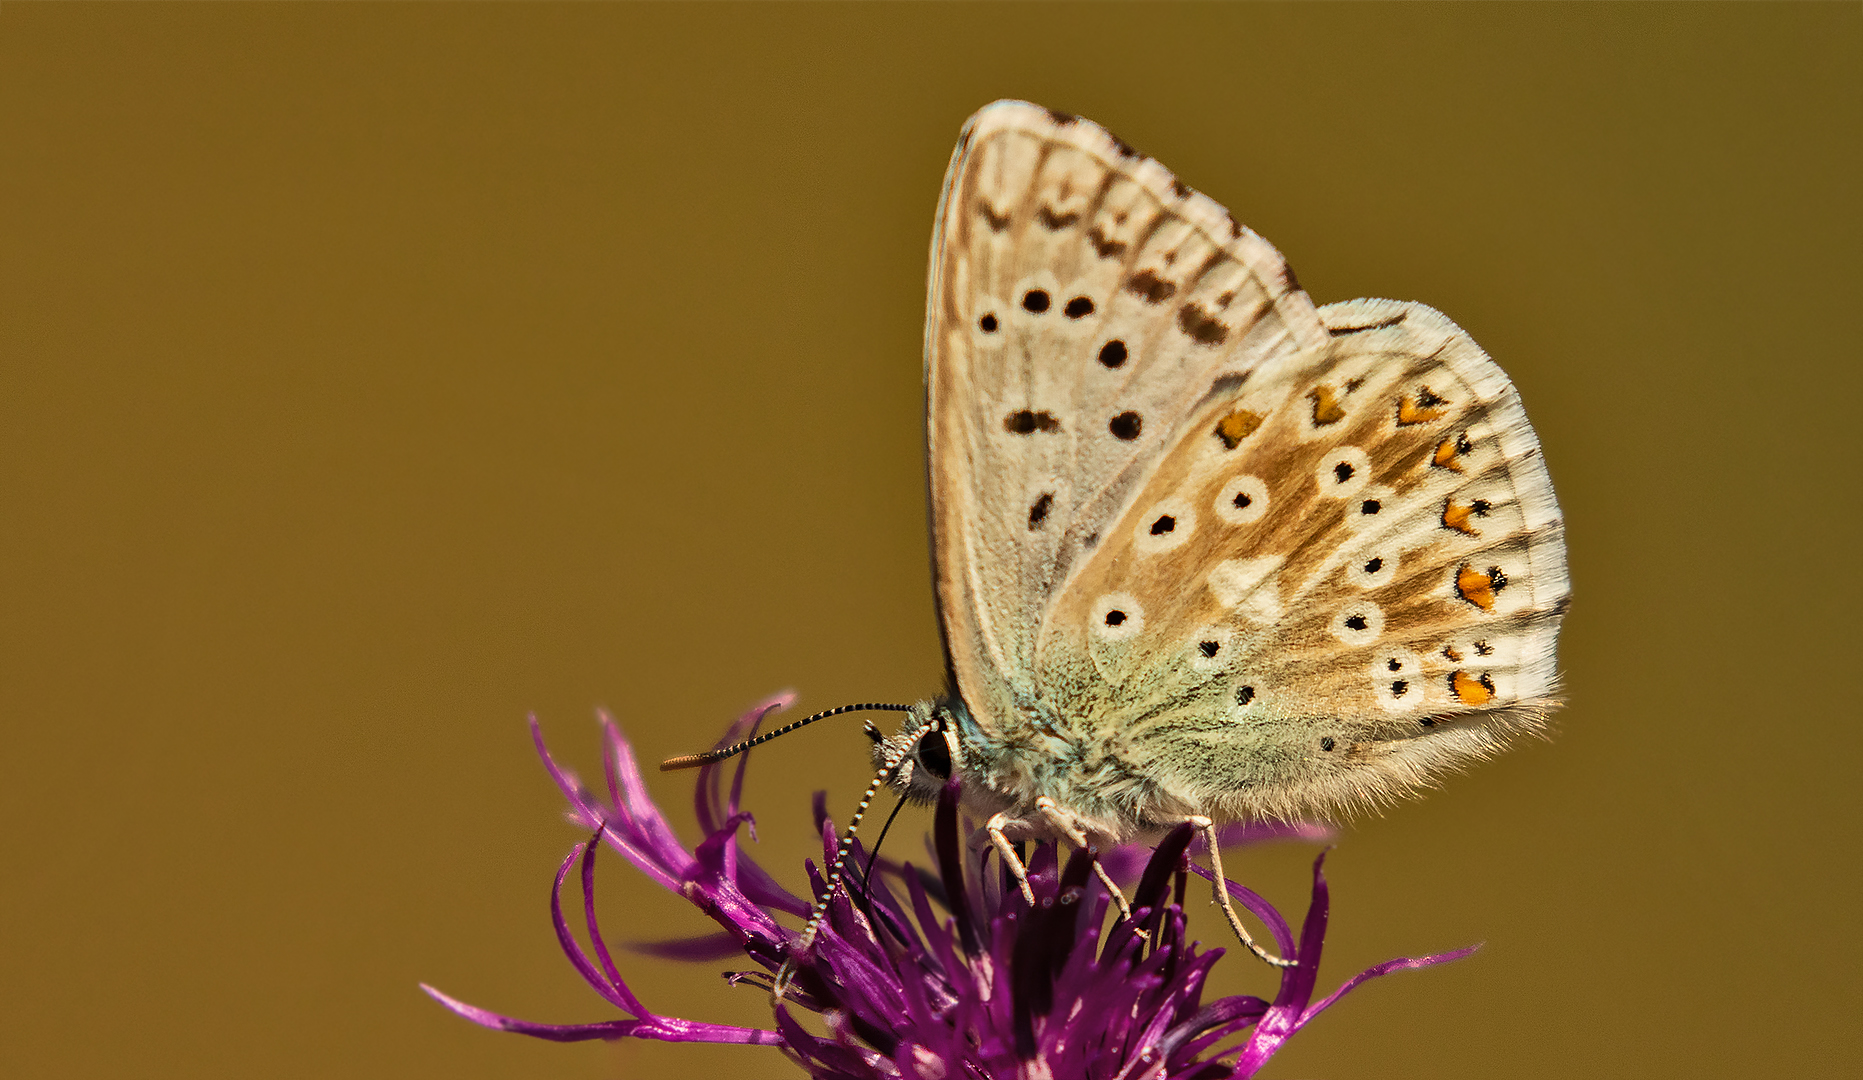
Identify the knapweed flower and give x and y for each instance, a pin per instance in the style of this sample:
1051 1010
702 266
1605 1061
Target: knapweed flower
936 973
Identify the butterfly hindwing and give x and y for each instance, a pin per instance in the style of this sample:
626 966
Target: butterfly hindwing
1083 304
1344 576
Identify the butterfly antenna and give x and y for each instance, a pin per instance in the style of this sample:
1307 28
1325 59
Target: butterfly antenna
866 875
832 879
693 761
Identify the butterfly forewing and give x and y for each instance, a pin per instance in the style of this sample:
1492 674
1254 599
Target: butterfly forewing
1083 306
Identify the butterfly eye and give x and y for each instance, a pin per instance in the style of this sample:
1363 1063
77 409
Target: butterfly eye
934 755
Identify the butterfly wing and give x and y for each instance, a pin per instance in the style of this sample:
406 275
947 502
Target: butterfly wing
1082 302
1344 576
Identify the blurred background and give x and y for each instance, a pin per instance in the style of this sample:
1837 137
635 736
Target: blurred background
375 376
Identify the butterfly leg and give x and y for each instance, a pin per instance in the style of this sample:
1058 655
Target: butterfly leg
1208 829
1066 825
1007 851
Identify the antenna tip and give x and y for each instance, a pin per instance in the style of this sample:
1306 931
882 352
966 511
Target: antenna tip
688 761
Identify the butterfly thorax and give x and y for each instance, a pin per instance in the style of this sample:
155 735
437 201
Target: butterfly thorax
1088 779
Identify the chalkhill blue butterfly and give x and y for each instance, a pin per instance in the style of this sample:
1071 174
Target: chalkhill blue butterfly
1203 551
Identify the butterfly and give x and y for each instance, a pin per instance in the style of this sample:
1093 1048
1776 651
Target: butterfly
1203 551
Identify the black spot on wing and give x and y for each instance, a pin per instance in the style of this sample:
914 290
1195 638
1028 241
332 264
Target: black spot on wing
1039 512
1056 222
1103 246
1154 289
1027 422
1060 118
1202 327
997 222
1126 426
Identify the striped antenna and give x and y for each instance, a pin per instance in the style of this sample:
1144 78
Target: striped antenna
693 761
833 881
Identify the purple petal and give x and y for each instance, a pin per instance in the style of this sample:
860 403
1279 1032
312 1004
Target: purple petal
585 810
1402 963
588 913
1258 906
616 992
1244 833
951 866
664 1029
1283 1017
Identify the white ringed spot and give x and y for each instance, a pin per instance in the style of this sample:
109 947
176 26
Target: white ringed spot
1371 569
1372 504
1116 617
1343 473
1165 526
1244 499
1358 623
1210 649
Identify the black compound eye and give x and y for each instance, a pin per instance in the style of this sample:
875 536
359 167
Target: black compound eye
935 755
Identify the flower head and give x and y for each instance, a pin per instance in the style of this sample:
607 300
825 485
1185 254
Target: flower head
945 972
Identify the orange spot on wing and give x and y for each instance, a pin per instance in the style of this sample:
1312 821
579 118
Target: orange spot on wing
1422 407
1448 450
1471 689
1479 587
1456 515
1326 408
1235 427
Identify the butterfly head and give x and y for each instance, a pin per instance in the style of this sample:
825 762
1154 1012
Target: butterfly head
926 752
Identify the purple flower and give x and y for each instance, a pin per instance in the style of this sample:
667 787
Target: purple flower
938 973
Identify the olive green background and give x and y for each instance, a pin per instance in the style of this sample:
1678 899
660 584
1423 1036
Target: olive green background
375 375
